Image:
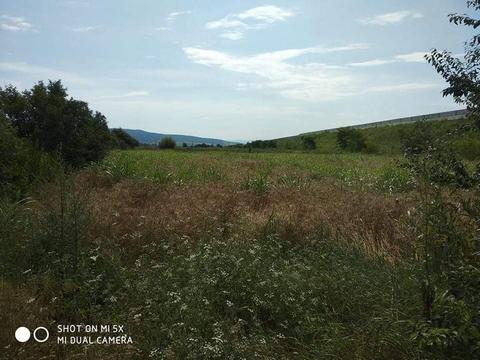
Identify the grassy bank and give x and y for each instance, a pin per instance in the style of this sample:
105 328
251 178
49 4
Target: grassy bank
386 140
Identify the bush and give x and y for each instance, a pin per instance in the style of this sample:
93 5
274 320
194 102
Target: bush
55 123
308 143
468 147
350 139
262 144
416 139
21 165
450 246
370 148
167 143
123 140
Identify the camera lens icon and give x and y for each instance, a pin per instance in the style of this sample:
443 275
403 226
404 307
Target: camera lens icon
40 334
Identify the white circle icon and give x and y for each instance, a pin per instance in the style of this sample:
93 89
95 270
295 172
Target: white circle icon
47 334
22 334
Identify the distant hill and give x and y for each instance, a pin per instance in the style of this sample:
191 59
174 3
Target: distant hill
151 138
386 136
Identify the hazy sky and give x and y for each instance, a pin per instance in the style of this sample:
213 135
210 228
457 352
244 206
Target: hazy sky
234 69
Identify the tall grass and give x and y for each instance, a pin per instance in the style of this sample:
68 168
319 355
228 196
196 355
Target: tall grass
231 255
183 167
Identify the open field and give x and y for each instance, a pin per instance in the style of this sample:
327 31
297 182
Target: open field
220 254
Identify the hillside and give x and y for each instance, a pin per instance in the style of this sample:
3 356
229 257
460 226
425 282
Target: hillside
386 139
151 138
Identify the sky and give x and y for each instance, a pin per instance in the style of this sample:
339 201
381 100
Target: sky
236 70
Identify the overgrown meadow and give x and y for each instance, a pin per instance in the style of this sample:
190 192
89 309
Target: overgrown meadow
219 254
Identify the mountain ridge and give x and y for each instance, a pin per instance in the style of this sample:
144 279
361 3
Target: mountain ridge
152 138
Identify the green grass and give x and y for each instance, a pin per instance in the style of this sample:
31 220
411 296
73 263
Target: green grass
386 139
216 296
220 254
373 172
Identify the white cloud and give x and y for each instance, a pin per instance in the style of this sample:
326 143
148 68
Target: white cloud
402 87
232 35
314 82
83 29
310 82
40 72
174 15
414 57
131 94
267 13
15 23
390 18
170 19
234 26
374 62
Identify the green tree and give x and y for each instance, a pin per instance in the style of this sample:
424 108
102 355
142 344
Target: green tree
463 76
308 143
167 143
448 230
350 139
123 140
55 123
20 164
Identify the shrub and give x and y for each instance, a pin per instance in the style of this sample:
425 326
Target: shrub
350 139
468 147
21 165
167 143
262 144
308 143
370 148
450 246
122 140
416 139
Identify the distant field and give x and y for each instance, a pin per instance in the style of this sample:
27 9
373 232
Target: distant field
373 172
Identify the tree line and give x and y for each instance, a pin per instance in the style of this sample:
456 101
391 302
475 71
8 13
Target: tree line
42 126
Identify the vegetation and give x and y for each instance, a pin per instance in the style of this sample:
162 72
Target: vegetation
167 143
350 139
449 231
261 144
21 165
55 124
122 140
225 253
389 140
309 143
462 76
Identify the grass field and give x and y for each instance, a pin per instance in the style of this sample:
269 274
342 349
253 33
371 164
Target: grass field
222 254
261 169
